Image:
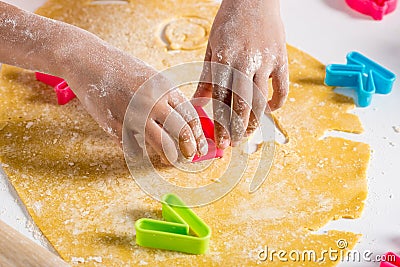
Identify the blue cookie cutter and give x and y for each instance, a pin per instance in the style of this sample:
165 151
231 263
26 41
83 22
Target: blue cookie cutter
364 75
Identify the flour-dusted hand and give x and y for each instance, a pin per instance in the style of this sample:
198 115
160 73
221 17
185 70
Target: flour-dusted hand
104 79
248 36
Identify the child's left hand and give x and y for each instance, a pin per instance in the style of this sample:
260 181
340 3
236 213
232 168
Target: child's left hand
248 36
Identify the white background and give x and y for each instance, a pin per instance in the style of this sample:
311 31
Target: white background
328 30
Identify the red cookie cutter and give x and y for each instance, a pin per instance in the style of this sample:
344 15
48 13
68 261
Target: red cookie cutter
391 260
208 129
63 92
374 8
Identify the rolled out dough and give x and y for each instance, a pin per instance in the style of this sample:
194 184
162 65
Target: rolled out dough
73 180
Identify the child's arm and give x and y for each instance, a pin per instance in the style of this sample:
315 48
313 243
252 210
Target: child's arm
247 35
103 78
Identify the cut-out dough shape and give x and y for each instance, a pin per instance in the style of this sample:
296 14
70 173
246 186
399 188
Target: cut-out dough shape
72 177
187 33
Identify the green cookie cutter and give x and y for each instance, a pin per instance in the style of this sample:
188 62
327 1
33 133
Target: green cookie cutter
181 231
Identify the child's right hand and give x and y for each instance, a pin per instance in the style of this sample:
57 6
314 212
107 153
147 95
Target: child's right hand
104 79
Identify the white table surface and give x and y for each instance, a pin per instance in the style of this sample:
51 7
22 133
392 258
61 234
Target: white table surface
328 30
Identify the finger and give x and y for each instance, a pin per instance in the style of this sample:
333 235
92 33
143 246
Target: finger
160 141
178 129
280 84
259 103
222 97
204 89
186 110
242 87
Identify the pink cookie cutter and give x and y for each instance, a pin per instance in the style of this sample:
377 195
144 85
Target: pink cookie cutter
208 129
374 8
391 260
63 92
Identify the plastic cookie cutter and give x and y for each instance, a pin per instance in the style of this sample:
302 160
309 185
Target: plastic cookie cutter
63 92
374 8
364 75
181 231
391 260
208 129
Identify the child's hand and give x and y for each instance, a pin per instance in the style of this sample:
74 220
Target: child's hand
247 35
104 79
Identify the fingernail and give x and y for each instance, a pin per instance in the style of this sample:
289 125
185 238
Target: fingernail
223 143
203 146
